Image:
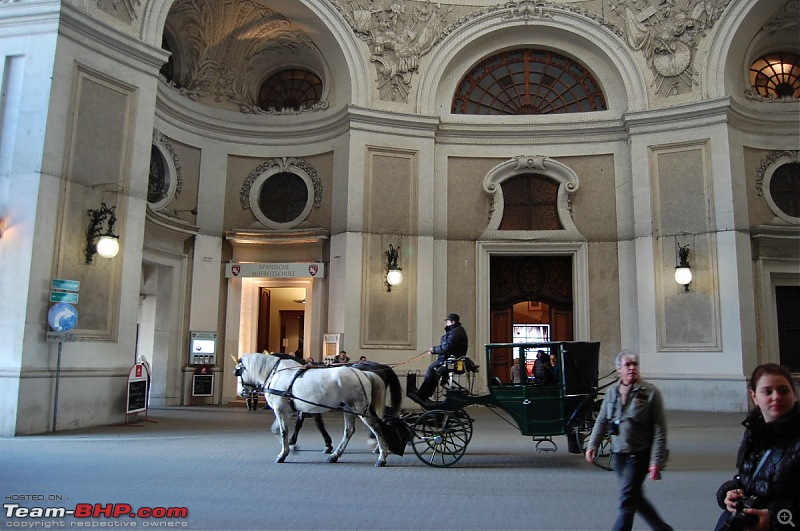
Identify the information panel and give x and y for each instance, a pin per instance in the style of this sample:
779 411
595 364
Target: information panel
203 385
138 380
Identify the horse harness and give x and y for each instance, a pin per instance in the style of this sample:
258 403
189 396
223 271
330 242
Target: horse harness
287 393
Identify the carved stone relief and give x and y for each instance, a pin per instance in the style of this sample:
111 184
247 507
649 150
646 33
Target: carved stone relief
229 46
124 10
399 32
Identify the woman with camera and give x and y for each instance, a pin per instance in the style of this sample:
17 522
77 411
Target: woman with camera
765 494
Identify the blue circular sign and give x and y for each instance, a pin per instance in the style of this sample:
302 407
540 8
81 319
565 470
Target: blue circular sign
62 317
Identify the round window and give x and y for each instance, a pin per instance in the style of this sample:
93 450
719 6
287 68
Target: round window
283 197
784 189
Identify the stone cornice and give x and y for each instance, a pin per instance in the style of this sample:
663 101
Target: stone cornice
689 116
29 18
371 120
251 129
118 47
766 118
532 130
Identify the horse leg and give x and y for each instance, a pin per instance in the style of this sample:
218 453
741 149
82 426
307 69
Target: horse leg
297 425
324 432
282 418
375 426
349 428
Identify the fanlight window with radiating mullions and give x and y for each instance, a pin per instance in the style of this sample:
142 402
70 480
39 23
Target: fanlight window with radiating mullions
776 75
290 89
528 81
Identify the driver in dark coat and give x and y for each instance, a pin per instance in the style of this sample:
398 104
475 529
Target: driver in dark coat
453 343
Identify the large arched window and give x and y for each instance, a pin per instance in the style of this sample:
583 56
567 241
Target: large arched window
776 75
528 81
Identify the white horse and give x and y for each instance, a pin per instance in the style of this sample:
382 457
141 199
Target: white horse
291 387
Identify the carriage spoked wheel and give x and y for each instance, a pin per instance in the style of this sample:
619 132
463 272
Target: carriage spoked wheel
581 432
440 437
467 421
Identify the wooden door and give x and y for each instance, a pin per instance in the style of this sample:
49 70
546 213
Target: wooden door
500 332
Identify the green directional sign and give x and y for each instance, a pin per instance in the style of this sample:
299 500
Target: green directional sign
64 296
65 285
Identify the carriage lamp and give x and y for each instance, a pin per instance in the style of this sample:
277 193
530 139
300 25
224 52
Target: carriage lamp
106 244
394 273
683 273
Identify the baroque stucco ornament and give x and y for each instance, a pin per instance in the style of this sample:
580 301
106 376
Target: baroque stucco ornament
399 32
667 33
231 47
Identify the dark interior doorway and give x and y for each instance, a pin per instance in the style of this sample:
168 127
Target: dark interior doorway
262 335
787 300
292 329
528 290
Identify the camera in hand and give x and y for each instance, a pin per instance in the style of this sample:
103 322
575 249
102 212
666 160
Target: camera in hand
613 429
741 520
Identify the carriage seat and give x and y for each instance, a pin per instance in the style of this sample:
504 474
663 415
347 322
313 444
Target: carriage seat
460 365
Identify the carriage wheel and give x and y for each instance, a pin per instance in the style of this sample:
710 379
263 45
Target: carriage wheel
582 430
440 438
466 420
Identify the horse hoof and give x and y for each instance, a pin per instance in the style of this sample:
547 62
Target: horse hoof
280 459
380 464
328 450
333 459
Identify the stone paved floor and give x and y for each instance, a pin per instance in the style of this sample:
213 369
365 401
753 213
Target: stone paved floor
218 463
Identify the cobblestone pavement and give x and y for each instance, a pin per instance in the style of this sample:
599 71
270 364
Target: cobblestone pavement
217 463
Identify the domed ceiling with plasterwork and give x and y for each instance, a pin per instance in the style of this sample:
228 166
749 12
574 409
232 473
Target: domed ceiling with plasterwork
222 52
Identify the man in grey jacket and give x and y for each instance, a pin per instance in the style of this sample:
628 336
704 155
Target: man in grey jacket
633 414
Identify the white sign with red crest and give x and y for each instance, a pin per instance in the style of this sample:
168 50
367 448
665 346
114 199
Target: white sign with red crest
276 270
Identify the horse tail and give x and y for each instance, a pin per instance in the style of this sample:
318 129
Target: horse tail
378 398
395 391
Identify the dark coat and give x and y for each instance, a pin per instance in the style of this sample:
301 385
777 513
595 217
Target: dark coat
776 482
453 343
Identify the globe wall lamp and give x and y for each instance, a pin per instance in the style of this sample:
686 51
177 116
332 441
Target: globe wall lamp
106 244
394 273
683 273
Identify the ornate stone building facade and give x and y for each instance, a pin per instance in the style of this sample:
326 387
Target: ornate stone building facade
535 162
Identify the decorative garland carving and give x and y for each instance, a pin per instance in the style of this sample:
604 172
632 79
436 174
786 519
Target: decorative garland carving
255 109
284 164
159 139
769 160
228 42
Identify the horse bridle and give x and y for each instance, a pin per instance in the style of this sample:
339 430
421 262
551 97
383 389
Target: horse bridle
248 390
